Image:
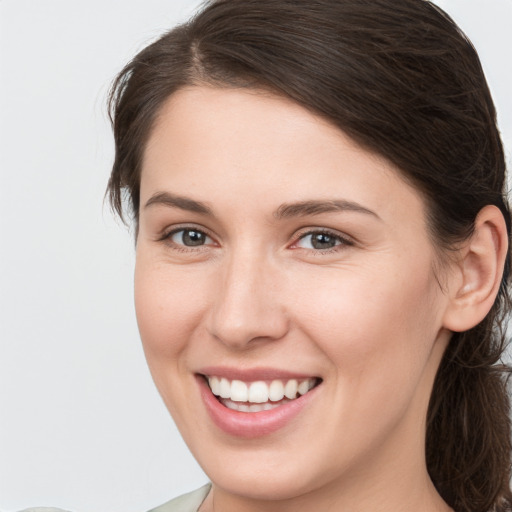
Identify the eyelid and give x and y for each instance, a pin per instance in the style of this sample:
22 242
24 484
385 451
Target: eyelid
166 234
301 234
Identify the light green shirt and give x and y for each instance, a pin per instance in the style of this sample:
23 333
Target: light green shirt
189 502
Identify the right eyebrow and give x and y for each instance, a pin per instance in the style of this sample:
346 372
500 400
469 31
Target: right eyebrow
174 201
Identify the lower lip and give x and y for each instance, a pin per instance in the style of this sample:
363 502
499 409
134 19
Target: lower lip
251 424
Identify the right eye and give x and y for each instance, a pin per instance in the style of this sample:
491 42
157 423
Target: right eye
189 237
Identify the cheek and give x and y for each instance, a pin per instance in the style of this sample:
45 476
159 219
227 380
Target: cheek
378 336
168 307
374 326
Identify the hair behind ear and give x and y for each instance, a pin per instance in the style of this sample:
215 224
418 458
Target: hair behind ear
469 417
469 411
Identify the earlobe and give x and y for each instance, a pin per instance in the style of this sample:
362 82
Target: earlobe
482 259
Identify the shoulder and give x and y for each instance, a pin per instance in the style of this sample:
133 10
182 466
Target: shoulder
189 502
42 509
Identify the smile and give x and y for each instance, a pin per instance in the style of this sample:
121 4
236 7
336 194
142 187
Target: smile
252 403
259 395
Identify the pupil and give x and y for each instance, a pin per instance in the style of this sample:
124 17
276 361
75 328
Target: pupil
323 241
193 238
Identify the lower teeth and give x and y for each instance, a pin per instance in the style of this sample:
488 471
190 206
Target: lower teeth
248 407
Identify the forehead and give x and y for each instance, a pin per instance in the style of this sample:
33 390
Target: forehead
217 143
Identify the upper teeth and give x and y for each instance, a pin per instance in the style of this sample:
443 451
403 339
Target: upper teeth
260 391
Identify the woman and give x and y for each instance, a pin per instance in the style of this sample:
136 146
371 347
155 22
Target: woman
322 254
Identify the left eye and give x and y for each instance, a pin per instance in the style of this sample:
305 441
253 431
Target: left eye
190 237
319 240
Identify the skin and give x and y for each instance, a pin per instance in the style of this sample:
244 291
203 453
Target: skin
367 315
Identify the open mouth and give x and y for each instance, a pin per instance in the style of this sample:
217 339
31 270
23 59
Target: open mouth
260 395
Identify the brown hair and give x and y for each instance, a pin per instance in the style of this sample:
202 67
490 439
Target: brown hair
402 80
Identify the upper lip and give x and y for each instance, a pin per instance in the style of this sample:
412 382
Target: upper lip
253 374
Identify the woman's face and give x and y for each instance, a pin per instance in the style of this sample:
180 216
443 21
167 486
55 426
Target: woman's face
274 255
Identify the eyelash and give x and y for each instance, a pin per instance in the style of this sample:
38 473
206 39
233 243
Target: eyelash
341 241
167 239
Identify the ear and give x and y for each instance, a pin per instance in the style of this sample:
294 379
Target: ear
479 271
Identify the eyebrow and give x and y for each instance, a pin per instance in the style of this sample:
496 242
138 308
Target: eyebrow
317 207
285 211
174 201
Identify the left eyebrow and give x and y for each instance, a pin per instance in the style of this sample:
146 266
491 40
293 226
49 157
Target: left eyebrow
317 207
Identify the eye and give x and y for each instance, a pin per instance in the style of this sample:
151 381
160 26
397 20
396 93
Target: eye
321 240
189 237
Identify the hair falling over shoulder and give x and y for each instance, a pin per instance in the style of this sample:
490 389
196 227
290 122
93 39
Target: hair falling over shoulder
402 80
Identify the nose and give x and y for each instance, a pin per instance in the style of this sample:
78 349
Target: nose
248 305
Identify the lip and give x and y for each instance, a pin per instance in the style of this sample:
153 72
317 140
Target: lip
256 424
252 374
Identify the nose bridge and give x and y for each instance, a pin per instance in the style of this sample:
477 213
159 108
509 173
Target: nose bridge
247 305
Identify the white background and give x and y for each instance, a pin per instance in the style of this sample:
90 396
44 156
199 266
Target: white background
81 424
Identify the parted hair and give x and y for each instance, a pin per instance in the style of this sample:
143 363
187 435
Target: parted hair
402 80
